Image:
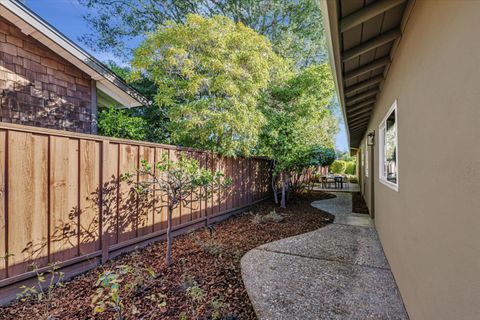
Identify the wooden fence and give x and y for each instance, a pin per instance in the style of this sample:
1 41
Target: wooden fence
61 198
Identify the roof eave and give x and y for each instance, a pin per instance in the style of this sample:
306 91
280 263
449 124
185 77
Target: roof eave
330 24
68 49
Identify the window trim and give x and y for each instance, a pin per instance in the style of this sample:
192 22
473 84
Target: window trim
367 167
381 146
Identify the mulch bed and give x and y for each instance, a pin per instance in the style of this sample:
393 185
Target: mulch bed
203 283
358 203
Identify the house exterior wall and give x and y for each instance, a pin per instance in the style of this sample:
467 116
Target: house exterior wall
40 88
430 228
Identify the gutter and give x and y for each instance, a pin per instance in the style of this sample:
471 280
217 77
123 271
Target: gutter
328 9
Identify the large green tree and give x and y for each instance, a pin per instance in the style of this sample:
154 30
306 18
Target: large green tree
293 26
210 73
299 123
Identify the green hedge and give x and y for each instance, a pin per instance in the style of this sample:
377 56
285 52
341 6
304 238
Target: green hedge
338 166
351 168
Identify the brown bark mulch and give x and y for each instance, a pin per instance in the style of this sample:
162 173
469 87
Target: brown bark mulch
203 283
358 203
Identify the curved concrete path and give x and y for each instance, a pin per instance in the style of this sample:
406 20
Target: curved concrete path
336 272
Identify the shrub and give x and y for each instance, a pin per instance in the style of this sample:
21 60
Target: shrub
338 166
353 179
351 168
119 123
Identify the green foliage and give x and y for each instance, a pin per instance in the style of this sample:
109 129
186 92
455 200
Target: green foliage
218 306
111 289
299 122
300 126
154 117
209 246
172 178
115 286
338 167
113 122
42 290
353 179
294 27
209 73
351 168
179 182
326 156
197 296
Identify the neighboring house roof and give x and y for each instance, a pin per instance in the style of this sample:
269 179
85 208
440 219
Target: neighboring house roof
107 81
362 38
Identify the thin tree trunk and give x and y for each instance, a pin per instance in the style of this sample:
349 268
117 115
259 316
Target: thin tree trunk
284 185
275 190
168 257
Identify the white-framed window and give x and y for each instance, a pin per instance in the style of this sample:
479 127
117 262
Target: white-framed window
388 148
366 159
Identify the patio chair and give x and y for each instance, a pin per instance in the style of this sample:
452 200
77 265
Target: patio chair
323 182
346 182
330 181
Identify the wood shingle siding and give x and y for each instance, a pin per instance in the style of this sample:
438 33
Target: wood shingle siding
40 88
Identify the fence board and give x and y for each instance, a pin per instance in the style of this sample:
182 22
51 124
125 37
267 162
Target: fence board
63 198
160 201
89 210
145 204
127 211
3 212
27 201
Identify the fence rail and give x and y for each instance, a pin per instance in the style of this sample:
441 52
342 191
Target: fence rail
61 199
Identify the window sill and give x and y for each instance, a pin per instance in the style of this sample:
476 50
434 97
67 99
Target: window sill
389 184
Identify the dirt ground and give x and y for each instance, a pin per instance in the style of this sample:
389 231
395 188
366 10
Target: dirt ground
203 283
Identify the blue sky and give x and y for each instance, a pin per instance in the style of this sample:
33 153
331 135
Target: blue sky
67 16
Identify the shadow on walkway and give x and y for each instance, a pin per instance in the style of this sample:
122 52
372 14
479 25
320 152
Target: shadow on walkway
336 272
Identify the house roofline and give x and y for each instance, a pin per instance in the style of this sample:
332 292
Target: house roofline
112 83
328 8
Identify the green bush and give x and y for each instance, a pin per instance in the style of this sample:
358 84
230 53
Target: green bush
119 123
353 179
351 167
338 166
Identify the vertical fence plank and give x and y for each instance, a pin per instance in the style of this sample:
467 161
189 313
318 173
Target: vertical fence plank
3 203
27 201
176 215
90 185
63 198
127 213
160 201
145 210
185 210
105 211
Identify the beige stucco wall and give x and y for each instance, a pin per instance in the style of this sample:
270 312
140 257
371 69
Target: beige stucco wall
430 228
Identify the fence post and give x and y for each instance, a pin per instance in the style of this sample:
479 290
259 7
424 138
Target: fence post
103 179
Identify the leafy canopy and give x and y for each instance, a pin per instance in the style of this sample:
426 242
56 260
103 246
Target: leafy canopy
294 27
210 74
300 123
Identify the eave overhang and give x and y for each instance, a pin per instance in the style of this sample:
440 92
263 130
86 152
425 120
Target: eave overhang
107 81
362 37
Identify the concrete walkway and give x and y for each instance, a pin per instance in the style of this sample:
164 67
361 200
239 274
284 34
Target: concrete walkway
336 272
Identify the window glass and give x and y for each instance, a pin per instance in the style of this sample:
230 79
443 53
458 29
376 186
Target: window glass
391 148
388 148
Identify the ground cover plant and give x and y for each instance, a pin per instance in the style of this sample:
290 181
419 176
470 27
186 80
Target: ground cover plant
204 281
